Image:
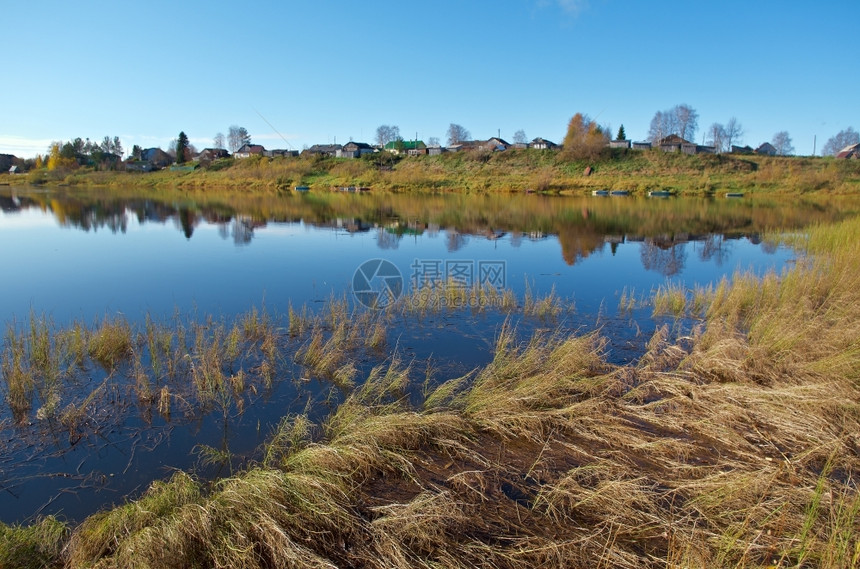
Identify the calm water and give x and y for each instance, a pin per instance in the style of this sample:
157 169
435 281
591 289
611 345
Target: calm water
81 256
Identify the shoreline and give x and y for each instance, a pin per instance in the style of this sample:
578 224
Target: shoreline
512 171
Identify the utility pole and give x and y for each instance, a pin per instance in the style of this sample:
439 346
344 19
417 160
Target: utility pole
814 141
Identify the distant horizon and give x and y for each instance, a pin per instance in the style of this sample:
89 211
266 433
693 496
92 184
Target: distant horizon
312 73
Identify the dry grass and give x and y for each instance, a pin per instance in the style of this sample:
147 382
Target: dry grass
735 447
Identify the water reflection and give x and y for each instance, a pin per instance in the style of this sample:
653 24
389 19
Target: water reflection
583 226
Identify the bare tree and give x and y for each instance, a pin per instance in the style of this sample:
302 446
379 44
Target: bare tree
681 120
433 141
386 134
520 137
839 141
658 129
457 133
782 142
237 137
218 140
688 121
734 133
717 136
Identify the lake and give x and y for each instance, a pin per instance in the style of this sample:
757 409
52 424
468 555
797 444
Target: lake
208 278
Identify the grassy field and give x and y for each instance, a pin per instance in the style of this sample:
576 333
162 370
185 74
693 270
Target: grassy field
736 446
510 171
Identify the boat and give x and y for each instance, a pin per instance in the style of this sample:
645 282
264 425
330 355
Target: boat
619 193
734 194
302 188
600 193
660 194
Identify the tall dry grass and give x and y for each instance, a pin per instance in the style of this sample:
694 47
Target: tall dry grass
737 446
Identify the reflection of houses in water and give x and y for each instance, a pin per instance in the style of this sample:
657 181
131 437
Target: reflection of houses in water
494 234
352 225
11 204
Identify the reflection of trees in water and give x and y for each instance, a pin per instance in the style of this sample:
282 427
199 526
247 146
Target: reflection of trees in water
455 240
243 229
666 258
716 248
187 221
223 230
516 238
578 242
387 239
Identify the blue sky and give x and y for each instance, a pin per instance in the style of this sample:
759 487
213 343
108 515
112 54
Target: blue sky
335 70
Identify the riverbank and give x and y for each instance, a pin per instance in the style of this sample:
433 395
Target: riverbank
736 446
637 172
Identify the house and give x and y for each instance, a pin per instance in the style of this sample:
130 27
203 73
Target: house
495 144
641 145
850 151
674 143
619 144
280 153
13 170
465 145
323 149
405 146
354 150
742 149
435 150
766 149
210 154
542 144
156 158
247 150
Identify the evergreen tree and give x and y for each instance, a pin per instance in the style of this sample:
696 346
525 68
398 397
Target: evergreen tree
621 134
181 147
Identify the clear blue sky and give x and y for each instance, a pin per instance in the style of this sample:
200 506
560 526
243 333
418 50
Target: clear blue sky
326 70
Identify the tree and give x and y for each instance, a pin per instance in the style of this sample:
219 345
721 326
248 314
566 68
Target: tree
734 133
839 141
237 137
520 137
688 121
717 136
386 134
181 147
109 146
457 133
61 156
136 152
782 142
218 140
681 120
621 134
433 141
584 138
662 125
